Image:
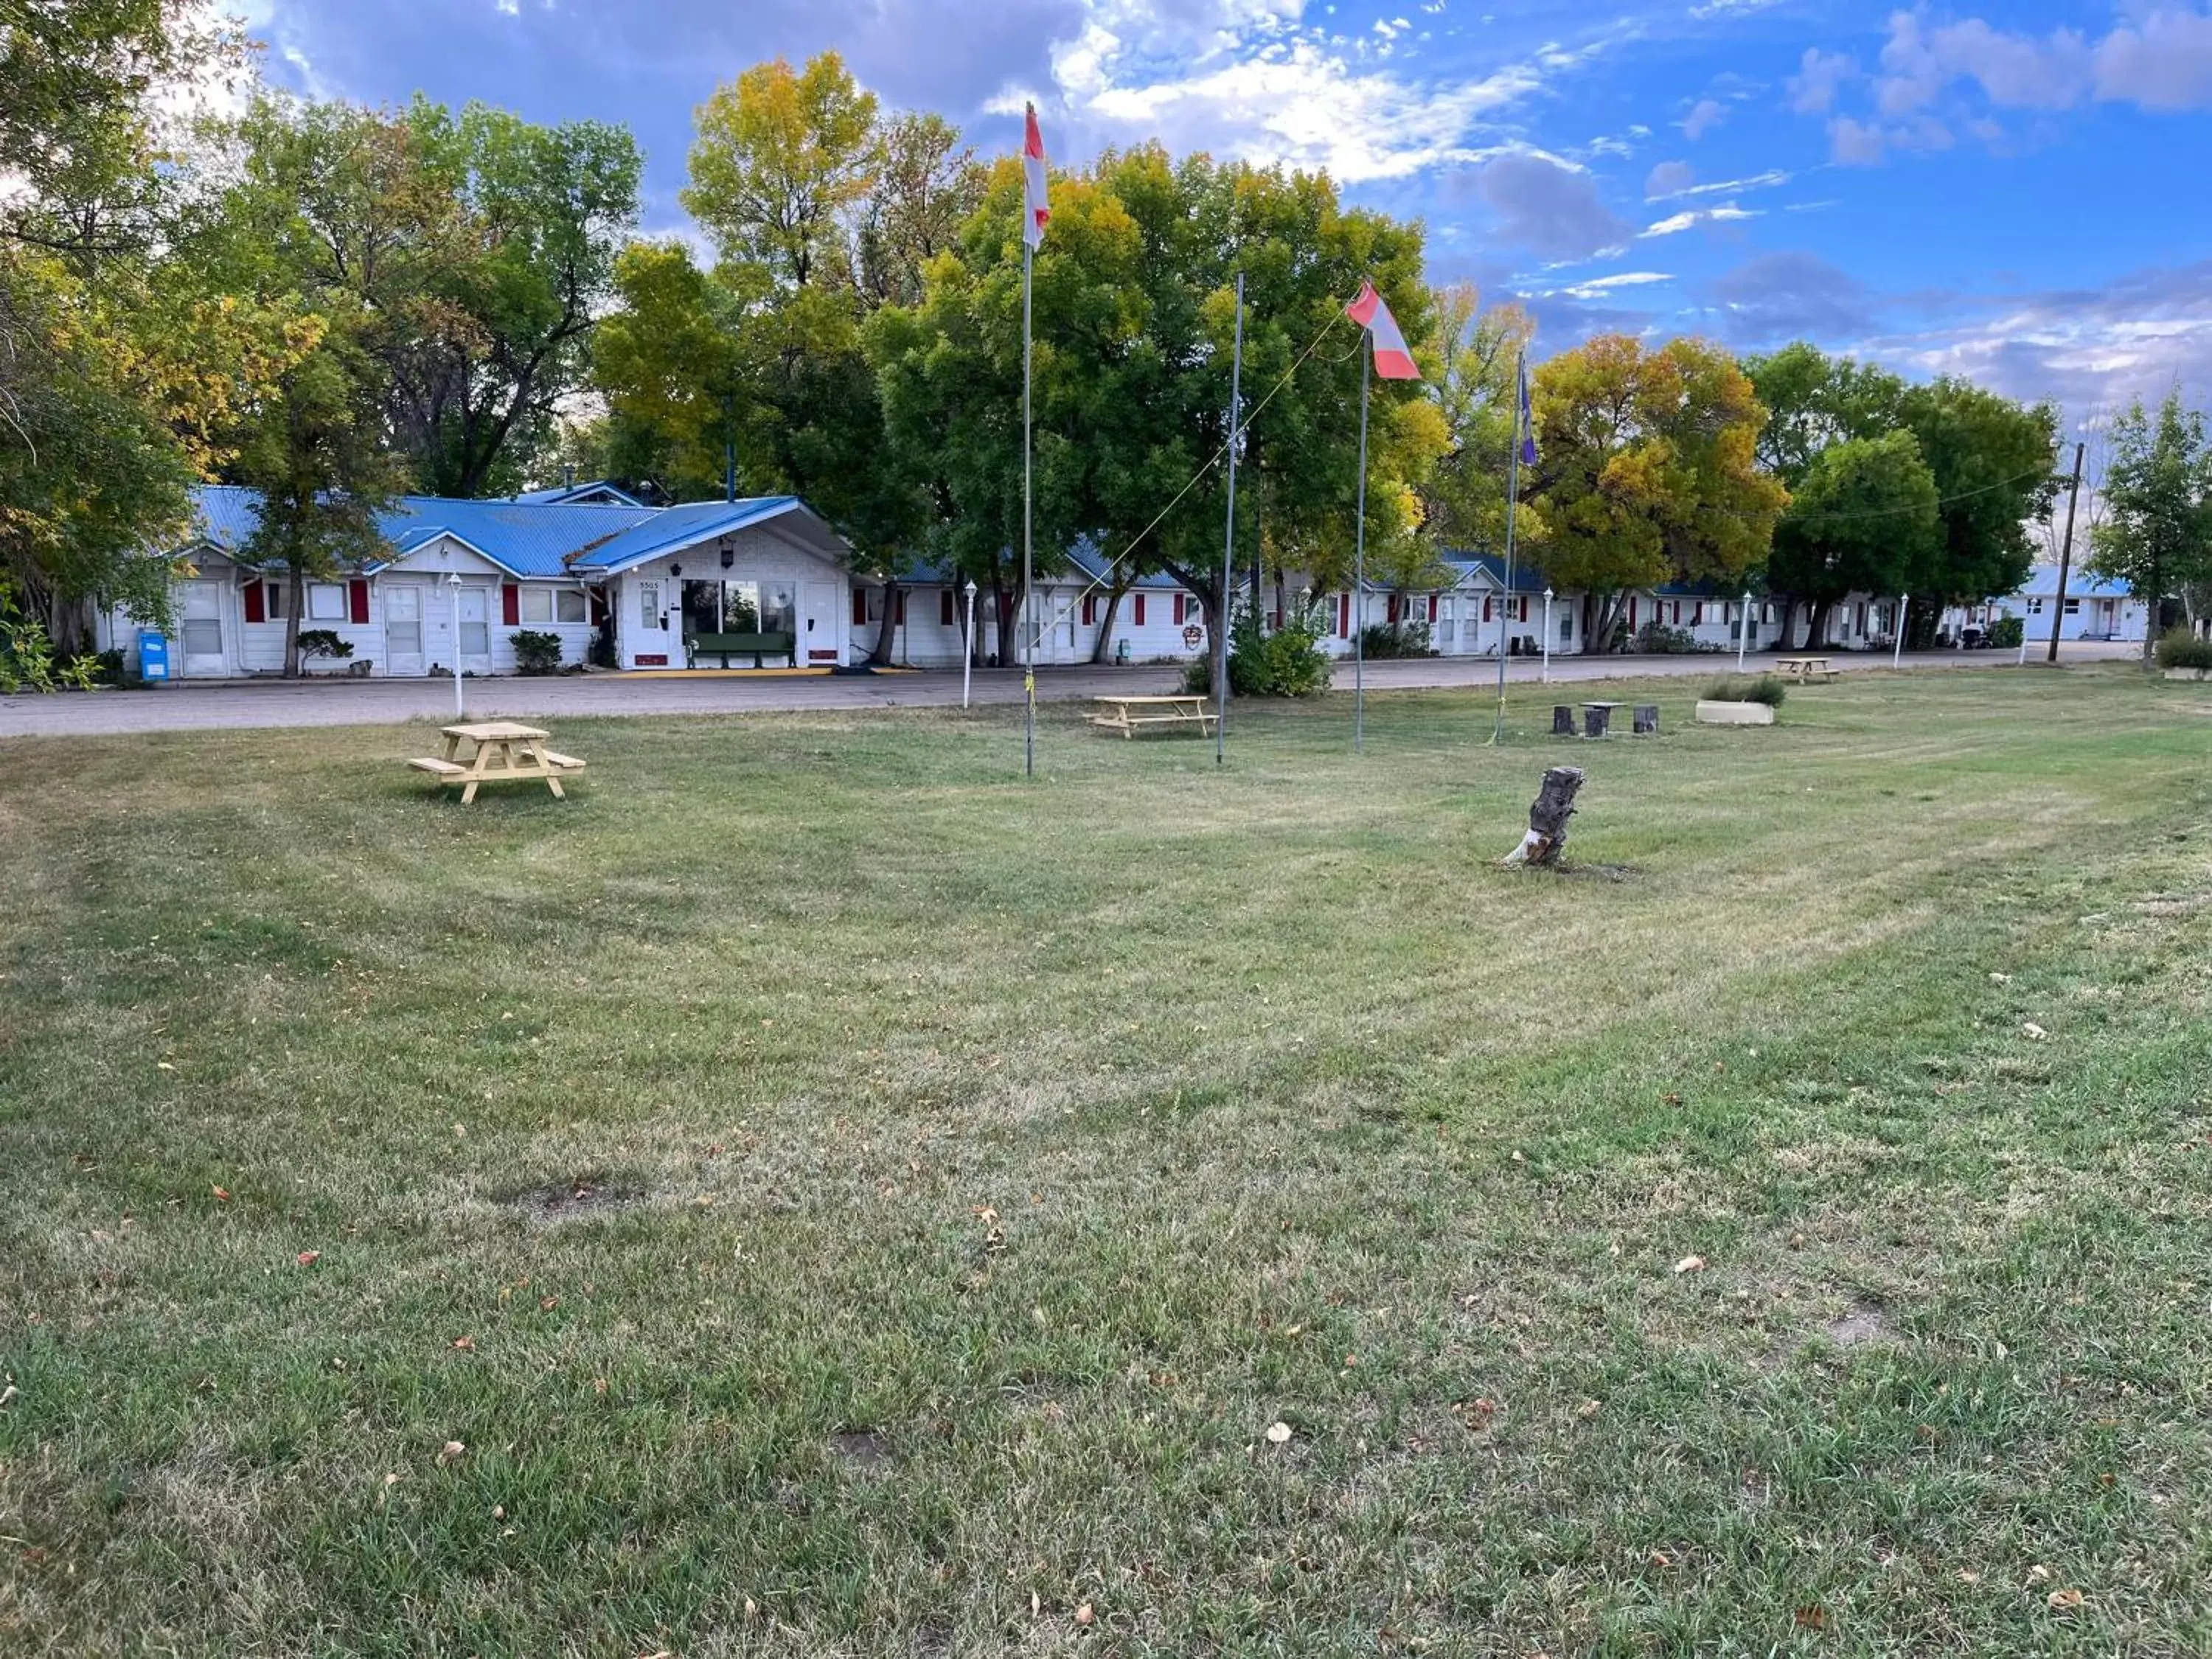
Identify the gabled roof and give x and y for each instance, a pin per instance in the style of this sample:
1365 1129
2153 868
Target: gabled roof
600 492
522 538
1094 564
672 529
1527 579
2043 584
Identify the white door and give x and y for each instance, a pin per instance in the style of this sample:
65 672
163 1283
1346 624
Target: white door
475 646
403 627
1447 623
648 630
203 620
818 624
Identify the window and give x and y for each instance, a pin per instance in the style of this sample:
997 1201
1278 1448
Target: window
2035 607
1566 629
944 618
2073 607
327 602
648 605
537 605
279 595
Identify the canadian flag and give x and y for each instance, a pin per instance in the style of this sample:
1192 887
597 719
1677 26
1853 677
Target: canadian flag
1392 361
1033 190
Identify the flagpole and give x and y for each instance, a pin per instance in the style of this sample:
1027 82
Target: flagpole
1029 633
1360 569
1512 505
1229 541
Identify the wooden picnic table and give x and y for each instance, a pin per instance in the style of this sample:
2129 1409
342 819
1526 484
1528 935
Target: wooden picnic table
504 751
1125 714
1806 669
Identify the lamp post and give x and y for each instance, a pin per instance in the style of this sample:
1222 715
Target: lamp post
1548 636
1743 632
967 644
453 587
1896 656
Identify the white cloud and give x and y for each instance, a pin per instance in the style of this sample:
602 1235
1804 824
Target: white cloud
1726 214
1669 179
1767 180
1820 77
1853 143
1704 115
1598 286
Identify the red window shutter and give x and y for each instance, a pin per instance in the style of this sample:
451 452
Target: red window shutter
944 608
510 603
859 606
256 606
1631 613
1344 616
1433 607
1137 610
357 598
1090 610
1486 607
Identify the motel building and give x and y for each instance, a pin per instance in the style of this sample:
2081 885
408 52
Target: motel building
616 582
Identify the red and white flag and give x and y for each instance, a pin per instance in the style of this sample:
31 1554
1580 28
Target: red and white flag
1033 190
1393 360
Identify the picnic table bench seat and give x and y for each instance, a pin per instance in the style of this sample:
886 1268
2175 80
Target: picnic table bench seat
1125 714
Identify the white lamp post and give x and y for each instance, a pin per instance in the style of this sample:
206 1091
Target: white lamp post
968 645
453 585
1548 636
1904 605
1743 632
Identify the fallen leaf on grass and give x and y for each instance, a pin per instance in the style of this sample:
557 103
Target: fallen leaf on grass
8 1396
222 1194
1690 1264
163 1066
2038 1574
1812 1616
547 1304
465 1344
1084 1615
1278 1433
452 1452
2033 1032
1588 1409
2060 1599
2000 978
308 1258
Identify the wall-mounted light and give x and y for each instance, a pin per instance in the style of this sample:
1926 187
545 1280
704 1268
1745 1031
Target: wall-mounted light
729 555
676 570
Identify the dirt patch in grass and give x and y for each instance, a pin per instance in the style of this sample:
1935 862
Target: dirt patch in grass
582 1195
1864 1323
864 1449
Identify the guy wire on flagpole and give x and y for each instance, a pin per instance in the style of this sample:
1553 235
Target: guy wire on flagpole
1228 543
1358 625
1029 578
1512 503
1098 581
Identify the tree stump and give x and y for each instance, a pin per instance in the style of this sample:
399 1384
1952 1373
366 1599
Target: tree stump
1598 716
1563 720
1647 720
1547 819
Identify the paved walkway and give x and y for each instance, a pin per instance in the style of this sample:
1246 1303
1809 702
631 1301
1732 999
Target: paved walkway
374 702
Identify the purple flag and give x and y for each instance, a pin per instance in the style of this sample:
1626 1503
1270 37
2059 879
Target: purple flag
1528 419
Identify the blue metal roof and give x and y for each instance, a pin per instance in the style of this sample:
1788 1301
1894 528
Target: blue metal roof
2043 584
522 538
671 529
1094 564
576 494
1527 579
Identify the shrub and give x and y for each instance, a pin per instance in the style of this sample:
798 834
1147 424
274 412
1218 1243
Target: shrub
1747 687
1381 641
2006 633
1657 640
324 643
535 653
2181 649
27 662
1287 663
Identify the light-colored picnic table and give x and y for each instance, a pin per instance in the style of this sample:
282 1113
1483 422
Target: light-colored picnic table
503 751
1125 714
1805 668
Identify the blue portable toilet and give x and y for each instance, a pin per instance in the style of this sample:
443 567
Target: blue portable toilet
153 657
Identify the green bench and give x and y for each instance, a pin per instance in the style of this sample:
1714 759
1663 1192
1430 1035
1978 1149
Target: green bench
726 646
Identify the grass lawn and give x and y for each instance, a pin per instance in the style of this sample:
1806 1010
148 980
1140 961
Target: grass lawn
843 1200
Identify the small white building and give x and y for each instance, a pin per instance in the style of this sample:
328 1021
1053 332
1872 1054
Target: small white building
2094 609
628 586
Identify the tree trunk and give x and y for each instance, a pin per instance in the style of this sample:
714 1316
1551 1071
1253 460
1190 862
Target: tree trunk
1001 622
1816 625
296 586
880 654
1102 650
1547 819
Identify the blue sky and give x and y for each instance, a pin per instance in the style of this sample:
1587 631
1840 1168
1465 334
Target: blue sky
2012 191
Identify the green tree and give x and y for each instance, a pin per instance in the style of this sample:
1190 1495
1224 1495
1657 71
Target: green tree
1992 459
1648 471
479 249
1463 504
316 455
2157 537
1862 518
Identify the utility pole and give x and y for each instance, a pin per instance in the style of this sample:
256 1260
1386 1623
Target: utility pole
2066 552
